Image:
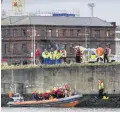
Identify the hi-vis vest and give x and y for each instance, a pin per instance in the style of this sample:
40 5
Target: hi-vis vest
58 55
52 55
45 54
101 85
63 53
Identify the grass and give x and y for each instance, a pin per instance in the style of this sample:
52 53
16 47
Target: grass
57 65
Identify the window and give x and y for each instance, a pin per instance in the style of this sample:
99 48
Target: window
108 33
7 48
98 45
42 33
15 32
65 46
49 33
15 46
23 47
3 33
64 32
6 33
78 32
97 33
57 33
23 32
118 35
71 32
71 48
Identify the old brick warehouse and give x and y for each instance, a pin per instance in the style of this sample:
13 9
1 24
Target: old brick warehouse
17 34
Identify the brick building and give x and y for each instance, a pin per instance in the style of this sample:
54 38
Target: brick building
17 34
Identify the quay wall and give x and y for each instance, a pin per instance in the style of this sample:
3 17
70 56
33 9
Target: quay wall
82 78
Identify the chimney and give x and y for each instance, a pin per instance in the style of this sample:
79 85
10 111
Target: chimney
114 24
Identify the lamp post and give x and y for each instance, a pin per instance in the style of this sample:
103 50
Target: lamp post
33 43
34 34
86 38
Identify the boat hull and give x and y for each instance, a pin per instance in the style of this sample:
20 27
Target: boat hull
63 102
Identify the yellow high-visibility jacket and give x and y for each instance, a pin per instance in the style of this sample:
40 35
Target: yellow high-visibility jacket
52 55
45 55
101 86
58 55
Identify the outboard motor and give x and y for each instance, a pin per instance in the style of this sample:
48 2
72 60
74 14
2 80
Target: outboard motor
18 98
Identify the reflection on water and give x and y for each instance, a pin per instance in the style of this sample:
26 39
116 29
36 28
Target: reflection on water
31 109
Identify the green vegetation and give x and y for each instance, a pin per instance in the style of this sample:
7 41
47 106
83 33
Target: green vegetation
57 65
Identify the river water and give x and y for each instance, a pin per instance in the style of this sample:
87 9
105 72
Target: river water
31 109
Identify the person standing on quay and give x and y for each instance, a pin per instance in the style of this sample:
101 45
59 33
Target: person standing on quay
106 52
78 55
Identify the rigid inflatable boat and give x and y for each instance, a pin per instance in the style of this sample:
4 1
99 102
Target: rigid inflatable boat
71 101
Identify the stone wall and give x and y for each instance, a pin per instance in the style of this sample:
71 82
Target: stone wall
82 78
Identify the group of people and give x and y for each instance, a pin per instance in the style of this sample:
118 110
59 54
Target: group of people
53 93
79 54
57 56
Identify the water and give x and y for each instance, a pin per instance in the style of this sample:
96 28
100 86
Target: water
31 109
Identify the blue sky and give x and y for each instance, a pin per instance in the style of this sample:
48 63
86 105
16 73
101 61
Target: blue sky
108 10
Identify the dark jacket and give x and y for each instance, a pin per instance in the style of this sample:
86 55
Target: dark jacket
106 51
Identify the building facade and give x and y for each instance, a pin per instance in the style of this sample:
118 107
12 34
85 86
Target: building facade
117 39
20 32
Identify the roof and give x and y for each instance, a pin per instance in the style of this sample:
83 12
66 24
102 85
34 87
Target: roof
57 21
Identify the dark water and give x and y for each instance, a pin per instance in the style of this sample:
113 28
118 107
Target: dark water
31 109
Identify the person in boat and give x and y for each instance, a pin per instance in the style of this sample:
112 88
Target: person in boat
46 95
53 93
37 96
67 90
40 96
33 95
60 93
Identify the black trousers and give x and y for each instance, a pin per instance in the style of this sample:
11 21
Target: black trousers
100 93
64 58
106 58
78 59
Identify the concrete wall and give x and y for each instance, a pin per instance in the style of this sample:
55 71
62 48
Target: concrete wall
82 78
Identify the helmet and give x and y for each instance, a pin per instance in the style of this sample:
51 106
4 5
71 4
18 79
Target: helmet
58 48
62 48
45 49
54 88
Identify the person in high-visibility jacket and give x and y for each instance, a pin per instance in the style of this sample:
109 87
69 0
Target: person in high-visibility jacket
45 56
101 88
52 56
64 54
58 56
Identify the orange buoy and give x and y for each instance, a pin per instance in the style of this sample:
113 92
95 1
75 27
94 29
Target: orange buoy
100 51
10 94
